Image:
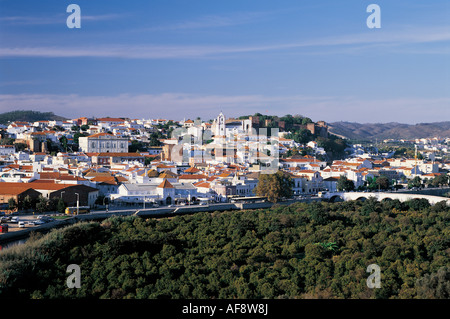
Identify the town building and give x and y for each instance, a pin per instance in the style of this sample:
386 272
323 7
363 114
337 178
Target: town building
103 143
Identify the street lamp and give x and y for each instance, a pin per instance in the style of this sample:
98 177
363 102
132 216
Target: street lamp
78 202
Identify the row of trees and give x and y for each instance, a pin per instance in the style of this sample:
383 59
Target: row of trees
318 250
379 182
40 204
384 183
437 181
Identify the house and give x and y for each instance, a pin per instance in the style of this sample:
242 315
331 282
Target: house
109 159
107 122
330 184
103 143
17 192
188 123
7 149
86 195
192 178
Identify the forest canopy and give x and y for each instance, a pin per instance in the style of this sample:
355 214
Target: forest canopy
318 250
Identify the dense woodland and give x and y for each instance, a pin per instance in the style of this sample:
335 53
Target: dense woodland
28 116
318 250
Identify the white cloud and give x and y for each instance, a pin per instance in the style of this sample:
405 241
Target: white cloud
387 40
55 19
213 21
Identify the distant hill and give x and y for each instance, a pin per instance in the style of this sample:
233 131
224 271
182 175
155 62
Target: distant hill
28 116
372 131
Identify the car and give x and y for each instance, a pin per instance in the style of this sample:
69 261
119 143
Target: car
38 222
21 224
170 205
15 219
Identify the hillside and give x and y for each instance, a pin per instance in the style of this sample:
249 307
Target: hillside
372 131
28 116
318 250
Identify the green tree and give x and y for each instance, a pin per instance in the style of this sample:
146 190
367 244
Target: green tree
27 202
63 141
415 182
440 180
344 184
383 182
20 147
275 186
12 204
61 206
42 203
317 213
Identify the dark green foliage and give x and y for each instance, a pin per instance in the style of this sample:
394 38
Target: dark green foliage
345 184
28 116
319 250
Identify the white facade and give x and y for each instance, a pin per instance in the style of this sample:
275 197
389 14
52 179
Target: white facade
103 143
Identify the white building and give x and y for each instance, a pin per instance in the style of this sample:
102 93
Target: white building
103 143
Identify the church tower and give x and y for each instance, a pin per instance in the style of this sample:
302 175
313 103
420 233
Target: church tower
220 125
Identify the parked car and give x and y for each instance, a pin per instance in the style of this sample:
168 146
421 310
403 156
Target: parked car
38 222
21 224
15 219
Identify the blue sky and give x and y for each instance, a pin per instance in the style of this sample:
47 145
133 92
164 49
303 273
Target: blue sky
183 59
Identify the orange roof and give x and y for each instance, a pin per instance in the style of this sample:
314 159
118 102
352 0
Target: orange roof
202 184
193 176
307 171
192 170
49 175
101 134
165 184
105 179
48 186
13 188
164 166
110 119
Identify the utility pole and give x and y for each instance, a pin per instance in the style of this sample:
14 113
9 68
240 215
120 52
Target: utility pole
78 203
